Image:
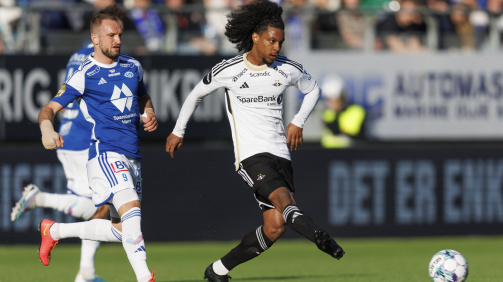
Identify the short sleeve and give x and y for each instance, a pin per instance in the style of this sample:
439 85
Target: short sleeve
66 95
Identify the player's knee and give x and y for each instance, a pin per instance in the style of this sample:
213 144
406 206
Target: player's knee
274 232
281 198
102 212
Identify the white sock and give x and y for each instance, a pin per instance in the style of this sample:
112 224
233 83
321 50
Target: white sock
96 230
219 268
132 241
76 206
87 253
87 273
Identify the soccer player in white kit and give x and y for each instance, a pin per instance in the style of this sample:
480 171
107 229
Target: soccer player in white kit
254 84
112 94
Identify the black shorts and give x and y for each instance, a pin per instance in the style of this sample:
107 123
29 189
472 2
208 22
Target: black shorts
265 173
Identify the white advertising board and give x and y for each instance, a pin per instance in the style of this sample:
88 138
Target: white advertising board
421 96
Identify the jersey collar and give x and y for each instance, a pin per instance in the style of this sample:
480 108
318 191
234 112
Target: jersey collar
91 57
253 67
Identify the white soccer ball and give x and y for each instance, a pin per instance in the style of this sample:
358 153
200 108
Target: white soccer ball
447 266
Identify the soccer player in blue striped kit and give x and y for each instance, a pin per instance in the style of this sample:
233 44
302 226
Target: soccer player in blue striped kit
77 202
112 95
254 84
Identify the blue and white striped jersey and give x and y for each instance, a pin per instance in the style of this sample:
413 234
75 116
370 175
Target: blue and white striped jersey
109 100
74 128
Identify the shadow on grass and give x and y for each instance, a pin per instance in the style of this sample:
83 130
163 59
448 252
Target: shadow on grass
288 278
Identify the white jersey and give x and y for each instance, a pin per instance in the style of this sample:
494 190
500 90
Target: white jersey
254 100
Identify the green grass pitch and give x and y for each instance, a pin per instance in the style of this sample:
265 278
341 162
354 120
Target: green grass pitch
390 259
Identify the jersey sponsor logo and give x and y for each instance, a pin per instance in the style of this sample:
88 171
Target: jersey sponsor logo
260 99
207 78
280 71
119 166
239 75
126 118
128 74
245 85
277 83
260 74
93 72
125 65
114 74
61 91
102 81
122 102
280 99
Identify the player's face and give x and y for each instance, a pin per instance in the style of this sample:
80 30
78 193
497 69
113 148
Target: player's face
110 39
268 44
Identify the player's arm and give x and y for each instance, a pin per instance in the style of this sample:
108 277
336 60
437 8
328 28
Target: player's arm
202 89
294 129
148 116
50 138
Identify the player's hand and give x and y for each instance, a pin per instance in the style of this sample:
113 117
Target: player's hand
293 136
149 120
173 142
52 140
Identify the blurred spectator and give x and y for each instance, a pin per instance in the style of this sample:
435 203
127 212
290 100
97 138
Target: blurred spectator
324 27
495 10
441 10
216 12
373 4
85 16
190 30
9 15
464 32
351 24
403 31
2 45
149 24
294 29
101 4
344 123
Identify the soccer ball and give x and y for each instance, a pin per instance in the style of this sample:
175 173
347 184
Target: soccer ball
448 265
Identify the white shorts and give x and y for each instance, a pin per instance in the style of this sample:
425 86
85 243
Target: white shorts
110 173
74 164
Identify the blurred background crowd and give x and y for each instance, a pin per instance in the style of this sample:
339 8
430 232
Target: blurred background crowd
195 27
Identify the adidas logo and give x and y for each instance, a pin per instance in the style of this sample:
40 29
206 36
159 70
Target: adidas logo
140 249
295 214
102 81
245 85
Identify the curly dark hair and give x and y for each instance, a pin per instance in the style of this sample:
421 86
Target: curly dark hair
255 16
